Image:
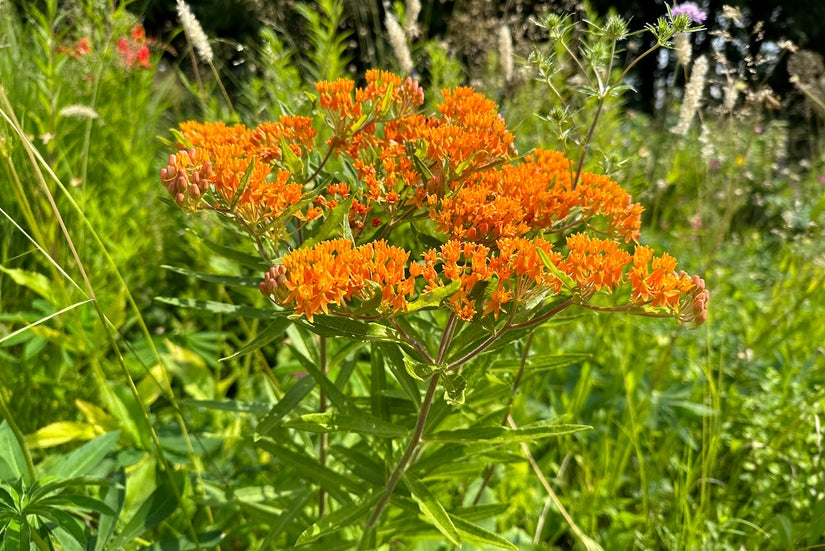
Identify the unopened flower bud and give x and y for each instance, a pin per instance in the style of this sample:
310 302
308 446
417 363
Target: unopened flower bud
179 198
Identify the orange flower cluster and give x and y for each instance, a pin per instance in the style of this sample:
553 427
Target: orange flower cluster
452 175
219 157
335 271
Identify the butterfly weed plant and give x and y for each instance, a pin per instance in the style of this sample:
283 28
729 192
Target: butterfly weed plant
429 239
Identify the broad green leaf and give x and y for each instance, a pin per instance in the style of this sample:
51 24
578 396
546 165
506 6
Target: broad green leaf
334 422
61 432
35 281
308 467
329 225
206 540
84 459
13 465
154 510
234 281
291 399
229 405
342 518
472 533
268 334
242 185
221 308
499 434
434 298
432 509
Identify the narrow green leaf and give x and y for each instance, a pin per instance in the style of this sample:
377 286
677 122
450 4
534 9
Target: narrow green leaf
68 530
342 518
84 459
454 386
336 484
234 281
539 363
268 334
472 533
432 509
336 326
243 259
563 277
221 308
206 540
13 465
291 399
480 512
394 359
115 498
286 517
360 464
434 298
256 408
17 536
72 502
499 434
334 422
152 512
242 185
329 225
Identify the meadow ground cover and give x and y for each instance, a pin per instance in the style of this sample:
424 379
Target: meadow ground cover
311 304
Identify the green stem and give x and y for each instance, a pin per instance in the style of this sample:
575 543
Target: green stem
405 459
323 438
18 434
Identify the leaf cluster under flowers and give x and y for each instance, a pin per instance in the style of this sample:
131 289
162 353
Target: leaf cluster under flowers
446 188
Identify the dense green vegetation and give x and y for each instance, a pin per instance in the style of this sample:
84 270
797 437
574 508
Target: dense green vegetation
129 418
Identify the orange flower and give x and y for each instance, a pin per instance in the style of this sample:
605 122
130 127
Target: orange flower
334 273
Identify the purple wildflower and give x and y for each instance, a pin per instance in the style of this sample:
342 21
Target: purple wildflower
692 10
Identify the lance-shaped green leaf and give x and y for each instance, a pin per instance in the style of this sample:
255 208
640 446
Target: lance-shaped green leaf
13 464
291 399
454 386
290 160
257 408
565 279
394 359
242 185
477 535
334 422
152 512
499 434
539 363
418 370
342 518
233 281
222 308
336 484
268 334
432 509
336 326
206 540
253 262
332 223
115 498
81 461
434 298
